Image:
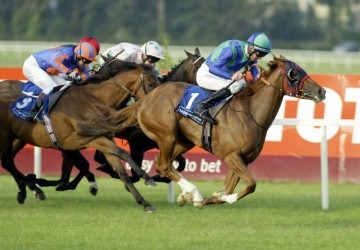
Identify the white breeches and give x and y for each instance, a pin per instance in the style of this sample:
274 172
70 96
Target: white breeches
207 80
39 77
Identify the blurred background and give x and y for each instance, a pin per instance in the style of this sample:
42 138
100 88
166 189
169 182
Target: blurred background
309 26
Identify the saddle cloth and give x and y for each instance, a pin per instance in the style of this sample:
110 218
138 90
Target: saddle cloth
192 96
21 107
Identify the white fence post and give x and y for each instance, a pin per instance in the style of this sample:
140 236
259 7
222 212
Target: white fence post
324 170
37 161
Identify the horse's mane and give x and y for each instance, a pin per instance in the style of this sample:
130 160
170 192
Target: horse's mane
254 85
114 67
169 75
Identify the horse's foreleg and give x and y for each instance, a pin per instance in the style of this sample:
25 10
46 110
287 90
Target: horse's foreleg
66 167
30 179
232 180
238 170
83 165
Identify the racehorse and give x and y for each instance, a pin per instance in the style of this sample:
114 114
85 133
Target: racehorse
237 138
139 143
102 92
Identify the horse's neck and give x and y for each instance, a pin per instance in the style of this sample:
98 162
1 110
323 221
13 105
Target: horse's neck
109 93
265 105
183 73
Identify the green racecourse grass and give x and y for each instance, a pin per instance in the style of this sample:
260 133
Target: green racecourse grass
276 216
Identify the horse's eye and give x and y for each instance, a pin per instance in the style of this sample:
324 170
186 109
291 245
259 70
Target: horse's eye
292 74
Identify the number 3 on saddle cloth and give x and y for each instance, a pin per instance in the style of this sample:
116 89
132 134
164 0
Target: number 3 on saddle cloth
192 96
22 106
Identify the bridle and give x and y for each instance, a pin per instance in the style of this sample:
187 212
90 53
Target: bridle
291 86
141 84
294 81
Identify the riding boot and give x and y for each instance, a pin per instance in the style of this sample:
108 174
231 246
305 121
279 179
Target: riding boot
36 107
202 110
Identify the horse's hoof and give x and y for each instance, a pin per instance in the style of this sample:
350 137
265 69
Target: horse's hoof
218 195
183 198
40 196
93 190
199 204
150 183
62 187
20 198
150 209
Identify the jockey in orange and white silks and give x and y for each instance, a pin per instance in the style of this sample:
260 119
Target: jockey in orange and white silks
53 67
223 66
149 53
43 67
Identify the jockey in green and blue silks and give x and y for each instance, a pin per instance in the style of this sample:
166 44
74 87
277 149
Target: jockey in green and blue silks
223 66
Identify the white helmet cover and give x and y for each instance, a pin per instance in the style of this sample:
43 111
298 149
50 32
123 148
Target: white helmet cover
152 48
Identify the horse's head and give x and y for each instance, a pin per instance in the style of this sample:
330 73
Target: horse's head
186 70
134 80
296 82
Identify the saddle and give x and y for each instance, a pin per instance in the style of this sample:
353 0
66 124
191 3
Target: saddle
193 95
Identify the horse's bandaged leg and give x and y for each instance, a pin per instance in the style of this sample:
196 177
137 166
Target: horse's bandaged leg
231 198
188 187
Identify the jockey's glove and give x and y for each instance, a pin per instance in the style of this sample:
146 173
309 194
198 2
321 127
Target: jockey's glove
72 75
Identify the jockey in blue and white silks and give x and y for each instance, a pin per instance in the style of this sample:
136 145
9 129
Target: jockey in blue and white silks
53 67
223 67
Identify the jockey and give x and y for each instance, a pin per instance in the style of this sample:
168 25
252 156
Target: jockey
49 68
149 53
223 67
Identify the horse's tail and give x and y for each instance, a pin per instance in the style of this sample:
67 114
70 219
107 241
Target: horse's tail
107 123
123 118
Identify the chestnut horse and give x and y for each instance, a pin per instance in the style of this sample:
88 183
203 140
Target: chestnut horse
237 138
104 91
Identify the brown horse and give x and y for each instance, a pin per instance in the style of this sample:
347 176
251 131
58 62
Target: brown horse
104 91
237 138
138 142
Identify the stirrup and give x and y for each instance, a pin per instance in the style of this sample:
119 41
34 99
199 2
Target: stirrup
206 116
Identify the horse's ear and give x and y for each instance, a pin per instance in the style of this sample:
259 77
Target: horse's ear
197 51
104 58
282 57
188 54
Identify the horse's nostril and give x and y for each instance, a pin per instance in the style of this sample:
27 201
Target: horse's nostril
322 93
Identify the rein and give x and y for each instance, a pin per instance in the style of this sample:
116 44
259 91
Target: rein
132 94
194 63
297 93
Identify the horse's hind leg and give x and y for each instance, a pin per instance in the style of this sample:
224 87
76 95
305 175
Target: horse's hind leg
168 151
180 167
112 154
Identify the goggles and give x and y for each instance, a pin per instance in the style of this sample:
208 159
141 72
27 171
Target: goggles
259 53
152 59
86 61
